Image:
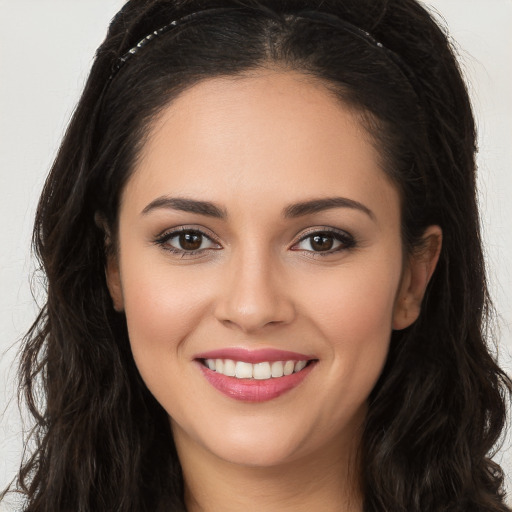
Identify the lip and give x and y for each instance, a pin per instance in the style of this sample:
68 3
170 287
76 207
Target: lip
253 390
254 356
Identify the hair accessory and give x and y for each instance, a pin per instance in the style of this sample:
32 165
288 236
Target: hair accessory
139 45
328 18
337 22
143 42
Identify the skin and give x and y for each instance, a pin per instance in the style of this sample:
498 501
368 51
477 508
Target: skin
253 146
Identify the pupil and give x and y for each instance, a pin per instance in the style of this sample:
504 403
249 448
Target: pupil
322 242
190 241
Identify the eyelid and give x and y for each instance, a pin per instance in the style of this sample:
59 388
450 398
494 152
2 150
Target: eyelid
169 233
348 241
322 229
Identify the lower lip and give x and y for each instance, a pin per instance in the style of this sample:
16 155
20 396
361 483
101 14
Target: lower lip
254 390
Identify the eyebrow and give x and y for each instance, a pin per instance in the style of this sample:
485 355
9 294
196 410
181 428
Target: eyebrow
318 205
291 211
186 205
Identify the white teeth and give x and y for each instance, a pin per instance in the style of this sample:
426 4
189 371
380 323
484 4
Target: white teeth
289 366
259 371
229 368
242 370
277 369
300 365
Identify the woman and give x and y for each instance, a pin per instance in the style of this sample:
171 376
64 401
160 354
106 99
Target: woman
257 297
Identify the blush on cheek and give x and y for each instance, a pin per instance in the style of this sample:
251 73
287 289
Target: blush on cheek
357 307
356 319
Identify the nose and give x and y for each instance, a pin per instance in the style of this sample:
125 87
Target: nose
253 293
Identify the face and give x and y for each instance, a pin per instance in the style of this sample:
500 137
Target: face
258 236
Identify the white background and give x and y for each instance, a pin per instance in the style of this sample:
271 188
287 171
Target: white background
46 49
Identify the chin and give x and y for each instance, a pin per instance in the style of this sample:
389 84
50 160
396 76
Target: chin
249 443
250 455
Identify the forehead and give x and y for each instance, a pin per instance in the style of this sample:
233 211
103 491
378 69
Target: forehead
270 132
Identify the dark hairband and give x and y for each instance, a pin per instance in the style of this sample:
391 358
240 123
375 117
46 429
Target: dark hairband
324 17
156 33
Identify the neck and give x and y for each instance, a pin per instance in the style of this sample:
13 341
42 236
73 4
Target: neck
329 481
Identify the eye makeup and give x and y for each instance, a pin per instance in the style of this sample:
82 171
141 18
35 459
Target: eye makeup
188 241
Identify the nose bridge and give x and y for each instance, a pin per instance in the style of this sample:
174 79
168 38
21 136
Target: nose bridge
254 295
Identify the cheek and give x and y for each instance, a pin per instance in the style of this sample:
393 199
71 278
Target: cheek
355 301
162 307
353 312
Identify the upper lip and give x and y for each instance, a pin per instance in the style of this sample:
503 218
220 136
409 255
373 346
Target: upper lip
253 356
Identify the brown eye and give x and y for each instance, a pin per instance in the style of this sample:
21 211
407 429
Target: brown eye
325 242
322 242
190 240
186 241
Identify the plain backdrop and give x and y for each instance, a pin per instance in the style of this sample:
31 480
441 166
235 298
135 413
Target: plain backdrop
46 50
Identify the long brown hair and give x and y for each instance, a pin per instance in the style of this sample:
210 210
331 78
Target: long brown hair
103 443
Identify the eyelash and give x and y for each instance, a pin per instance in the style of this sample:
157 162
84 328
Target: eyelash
163 241
346 240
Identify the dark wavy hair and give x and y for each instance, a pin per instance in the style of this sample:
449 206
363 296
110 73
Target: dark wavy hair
102 442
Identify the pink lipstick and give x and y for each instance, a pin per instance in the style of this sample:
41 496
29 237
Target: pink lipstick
254 375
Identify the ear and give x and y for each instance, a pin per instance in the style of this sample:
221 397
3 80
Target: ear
113 278
416 276
112 273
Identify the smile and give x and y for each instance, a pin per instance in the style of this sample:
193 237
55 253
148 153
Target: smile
259 371
254 375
